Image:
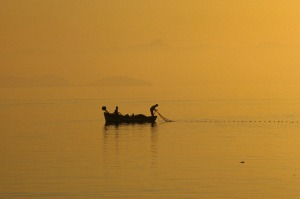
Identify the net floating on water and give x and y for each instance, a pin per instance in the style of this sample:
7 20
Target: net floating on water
164 118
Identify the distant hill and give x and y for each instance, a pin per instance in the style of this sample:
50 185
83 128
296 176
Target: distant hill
119 81
36 81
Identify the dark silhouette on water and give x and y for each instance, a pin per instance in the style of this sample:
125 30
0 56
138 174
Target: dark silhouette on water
152 109
116 111
117 117
104 109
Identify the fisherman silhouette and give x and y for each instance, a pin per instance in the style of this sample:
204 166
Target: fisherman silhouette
152 109
104 109
116 111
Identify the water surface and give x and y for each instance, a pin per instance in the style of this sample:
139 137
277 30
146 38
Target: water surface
60 147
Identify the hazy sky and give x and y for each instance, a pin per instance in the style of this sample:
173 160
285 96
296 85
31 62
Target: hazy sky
85 40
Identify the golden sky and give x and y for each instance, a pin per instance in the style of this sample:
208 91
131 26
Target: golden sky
90 39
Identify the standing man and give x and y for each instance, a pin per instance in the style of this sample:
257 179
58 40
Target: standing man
152 109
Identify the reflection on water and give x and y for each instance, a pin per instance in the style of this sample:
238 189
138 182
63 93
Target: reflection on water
65 150
114 135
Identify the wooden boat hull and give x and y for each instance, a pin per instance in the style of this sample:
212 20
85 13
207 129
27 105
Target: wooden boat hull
114 118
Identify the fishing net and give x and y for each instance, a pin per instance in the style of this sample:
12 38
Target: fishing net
164 118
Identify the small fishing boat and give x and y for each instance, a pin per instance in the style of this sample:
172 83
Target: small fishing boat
119 118
115 118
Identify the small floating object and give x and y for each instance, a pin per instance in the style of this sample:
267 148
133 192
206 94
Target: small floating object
242 162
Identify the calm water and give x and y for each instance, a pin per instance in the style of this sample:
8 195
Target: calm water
59 147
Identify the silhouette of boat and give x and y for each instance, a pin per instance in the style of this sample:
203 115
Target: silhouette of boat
119 118
116 118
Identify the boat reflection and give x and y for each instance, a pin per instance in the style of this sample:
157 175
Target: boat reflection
120 138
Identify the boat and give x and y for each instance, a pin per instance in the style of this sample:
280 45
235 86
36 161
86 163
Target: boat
116 118
119 118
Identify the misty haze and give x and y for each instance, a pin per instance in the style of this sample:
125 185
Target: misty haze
133 99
